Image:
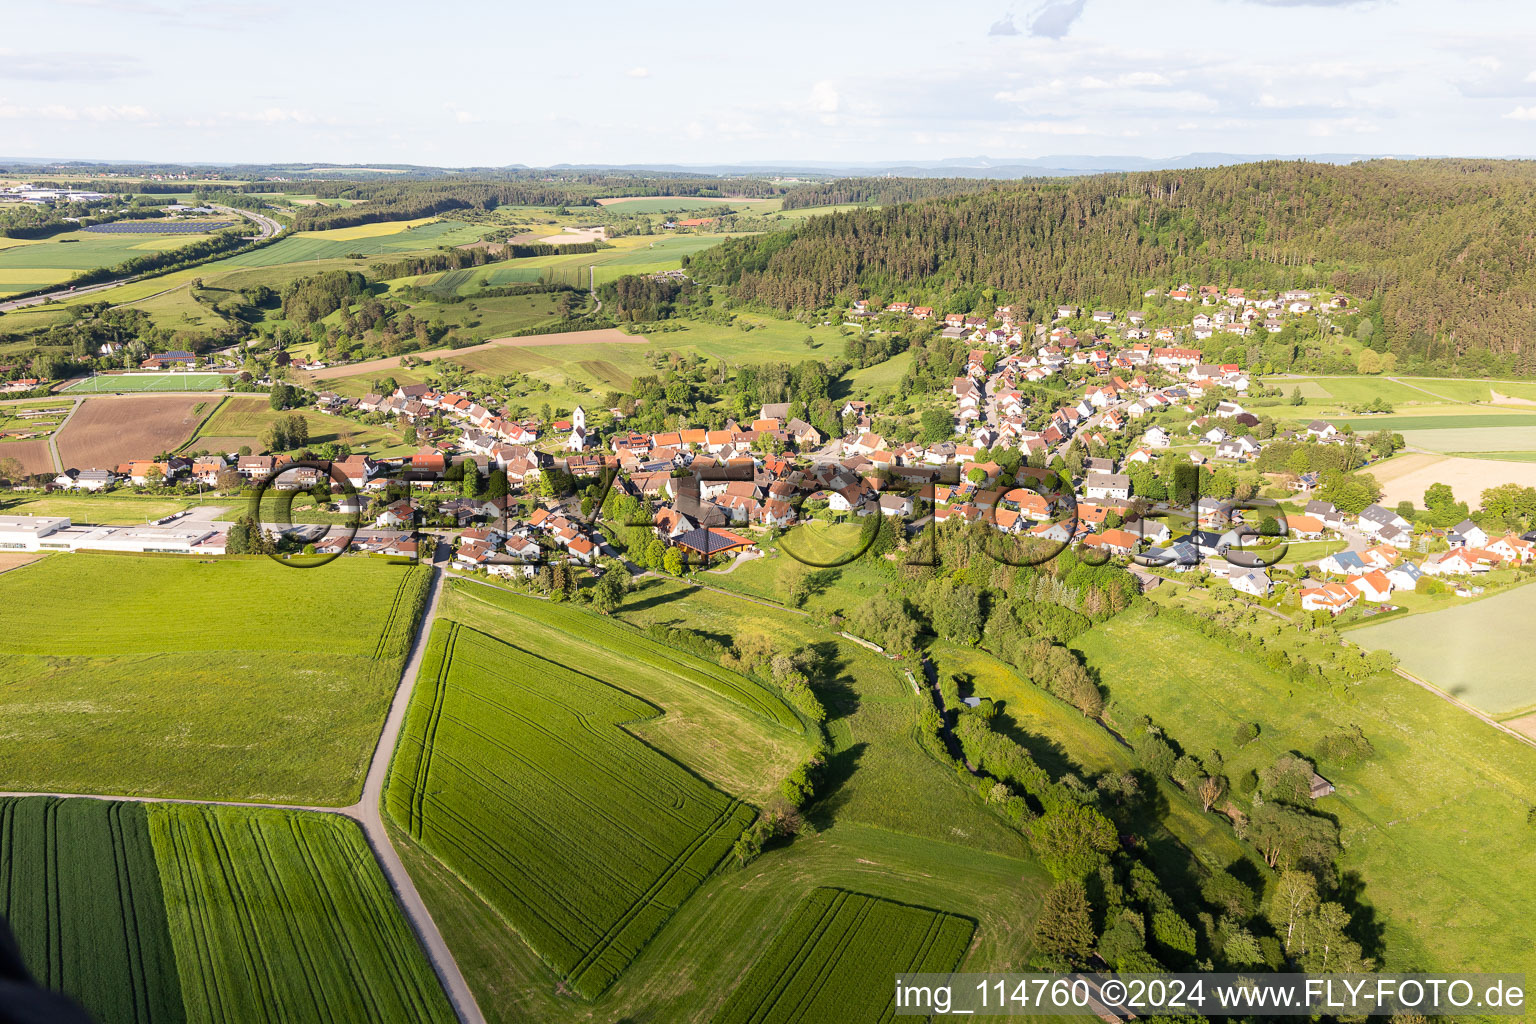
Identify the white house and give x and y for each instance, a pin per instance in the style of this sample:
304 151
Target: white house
1107 485
1255 584
1467 534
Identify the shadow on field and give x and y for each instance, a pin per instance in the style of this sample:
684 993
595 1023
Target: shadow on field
830 680
653 596
840 768
1364 926
1048 753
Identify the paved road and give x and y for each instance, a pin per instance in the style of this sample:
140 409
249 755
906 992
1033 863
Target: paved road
53 438
266 227
368 812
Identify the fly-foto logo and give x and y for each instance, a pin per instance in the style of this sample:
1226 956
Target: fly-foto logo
1029 521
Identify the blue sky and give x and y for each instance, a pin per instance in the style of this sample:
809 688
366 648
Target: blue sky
488 84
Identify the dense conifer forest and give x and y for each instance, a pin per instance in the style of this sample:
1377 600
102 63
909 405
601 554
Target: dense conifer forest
1445 246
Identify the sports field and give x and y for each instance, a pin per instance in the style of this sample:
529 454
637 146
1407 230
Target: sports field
835 959
112 383
1480 652
232 679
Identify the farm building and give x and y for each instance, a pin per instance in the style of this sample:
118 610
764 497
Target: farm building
709 541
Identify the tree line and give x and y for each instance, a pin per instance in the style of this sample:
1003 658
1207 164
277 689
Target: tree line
1441 245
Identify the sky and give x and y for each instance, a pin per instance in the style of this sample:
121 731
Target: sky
491 84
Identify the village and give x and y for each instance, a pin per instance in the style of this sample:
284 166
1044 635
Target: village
505 487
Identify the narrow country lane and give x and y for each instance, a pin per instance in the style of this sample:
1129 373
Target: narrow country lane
368 812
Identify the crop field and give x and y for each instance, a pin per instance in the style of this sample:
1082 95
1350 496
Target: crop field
574 369
630 645
231 679
111 383
1334 394
702 728
710 945
80 889
1407 476
635 254
57 259
115 509
1480 439
835 957
281 916
34 456
516 774
668 204
1480 653
386 238
1431 821
160 227
484 318
106 432
241 419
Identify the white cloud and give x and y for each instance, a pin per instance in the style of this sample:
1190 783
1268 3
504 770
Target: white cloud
1049 128
62 112
67 67
277 115
1342 126
639 72
825 98
1003 27
1522 114
1055 19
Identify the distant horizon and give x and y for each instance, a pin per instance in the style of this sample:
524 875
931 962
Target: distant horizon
171 81
1083 163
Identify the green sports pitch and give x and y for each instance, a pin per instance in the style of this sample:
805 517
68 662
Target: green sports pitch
107 384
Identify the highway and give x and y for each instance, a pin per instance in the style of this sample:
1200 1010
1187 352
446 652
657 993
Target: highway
266 228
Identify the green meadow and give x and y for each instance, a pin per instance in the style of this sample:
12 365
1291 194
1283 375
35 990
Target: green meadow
231 679
25 265
307 246
892 823
1433 822
1455 649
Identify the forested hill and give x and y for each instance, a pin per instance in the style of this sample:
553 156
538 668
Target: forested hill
1445 245
880 191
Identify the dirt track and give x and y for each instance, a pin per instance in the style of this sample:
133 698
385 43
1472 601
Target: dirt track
606 336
